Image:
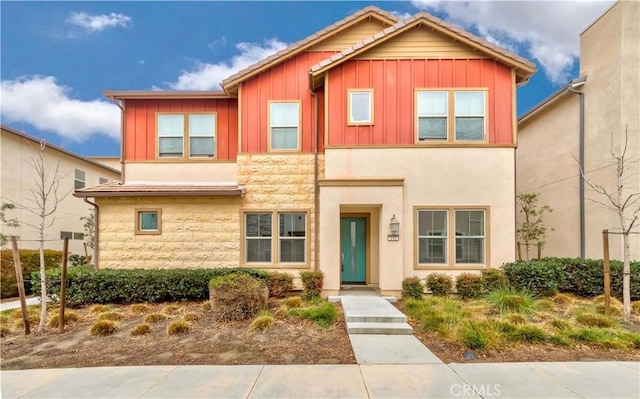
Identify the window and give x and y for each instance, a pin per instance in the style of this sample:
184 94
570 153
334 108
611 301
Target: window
79 179
200 140
432 236
148 221
288 230
66 234
432 115
436 226
436 109
103 180
258 237
284 123
292 237
361 107
78 236
469 107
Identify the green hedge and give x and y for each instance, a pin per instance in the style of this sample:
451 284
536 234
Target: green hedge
30 261
583 277
87 286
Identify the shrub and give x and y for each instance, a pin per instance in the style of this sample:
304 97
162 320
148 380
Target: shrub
139 308
507 301
79 260
545 304
114 316
494 279
479 335
412 288
69 317
528 334
30 262
155 318
635 306
293 302
560 324
594 320
206 306
237 296
323 314
141 329
170 309
516 318
98 308
262 323
4 331
469 285
440 284
87 286
562 299
312 283
280 284
537 277
191 316
103 327
178 326
606 338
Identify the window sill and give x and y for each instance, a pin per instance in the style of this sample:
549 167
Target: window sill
457 266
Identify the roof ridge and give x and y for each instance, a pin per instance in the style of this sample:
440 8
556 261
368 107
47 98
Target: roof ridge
310 38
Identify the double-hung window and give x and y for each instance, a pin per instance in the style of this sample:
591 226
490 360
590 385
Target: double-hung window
451 116
187 135
79 179
275 237
361 107
451 236
284 126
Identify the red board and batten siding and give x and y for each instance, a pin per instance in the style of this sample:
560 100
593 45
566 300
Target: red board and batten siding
394 83
286 81
140 125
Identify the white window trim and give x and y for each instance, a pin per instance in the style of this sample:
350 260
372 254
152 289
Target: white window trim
275 236
350 121
483 116
298 126
83 181
280 237
445 115
186 137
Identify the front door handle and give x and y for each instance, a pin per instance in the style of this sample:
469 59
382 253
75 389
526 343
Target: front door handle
342 261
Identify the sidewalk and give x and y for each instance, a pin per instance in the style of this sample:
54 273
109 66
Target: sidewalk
488 380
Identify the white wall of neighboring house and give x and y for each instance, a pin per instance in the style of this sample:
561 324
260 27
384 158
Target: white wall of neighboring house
18 178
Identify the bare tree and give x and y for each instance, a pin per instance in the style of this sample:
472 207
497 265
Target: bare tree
626 204
43 203
532 228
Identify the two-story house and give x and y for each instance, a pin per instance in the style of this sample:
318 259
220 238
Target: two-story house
373 150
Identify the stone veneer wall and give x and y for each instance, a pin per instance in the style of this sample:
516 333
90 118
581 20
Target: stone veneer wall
204 232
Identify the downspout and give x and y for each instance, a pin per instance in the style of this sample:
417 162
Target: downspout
316 196
571 89
113 100
96 231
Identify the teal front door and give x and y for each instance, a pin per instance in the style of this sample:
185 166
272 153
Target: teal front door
353 248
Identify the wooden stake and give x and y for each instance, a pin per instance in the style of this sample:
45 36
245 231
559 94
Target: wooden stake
519 251
86 253
539 250
20 282
63 283
607 273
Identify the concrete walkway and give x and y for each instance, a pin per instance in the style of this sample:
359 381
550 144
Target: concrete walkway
502 380
16 304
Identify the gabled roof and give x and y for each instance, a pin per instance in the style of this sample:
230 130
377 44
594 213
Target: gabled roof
159 94
524 68
59 149
230 83
117 189
552 98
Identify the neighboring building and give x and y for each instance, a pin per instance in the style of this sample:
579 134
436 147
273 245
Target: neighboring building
18 177
307 157
112 162
549 138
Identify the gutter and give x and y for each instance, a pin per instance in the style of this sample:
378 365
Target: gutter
316 187
571 88
121 106
96 231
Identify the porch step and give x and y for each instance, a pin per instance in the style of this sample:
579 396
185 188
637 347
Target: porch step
375 319
379 328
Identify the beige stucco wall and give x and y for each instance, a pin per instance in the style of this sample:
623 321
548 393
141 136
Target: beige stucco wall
180 172
435 176
17 178
112 162
610 59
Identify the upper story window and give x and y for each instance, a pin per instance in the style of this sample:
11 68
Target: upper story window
451 116
284 126
79 179
103 180
361 107
199 140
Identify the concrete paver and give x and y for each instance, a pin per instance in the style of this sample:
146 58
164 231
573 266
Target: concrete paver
206 382
511 380
370 308
17 383
411 381
305 381
589 381
385 349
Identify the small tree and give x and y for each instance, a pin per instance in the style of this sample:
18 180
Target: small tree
89 227
532 230
12 222
625 202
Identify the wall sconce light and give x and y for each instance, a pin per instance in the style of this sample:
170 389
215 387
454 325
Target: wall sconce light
394 226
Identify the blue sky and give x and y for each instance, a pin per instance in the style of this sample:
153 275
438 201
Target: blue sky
58 57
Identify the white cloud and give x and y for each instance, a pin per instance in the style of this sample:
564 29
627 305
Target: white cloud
401 15
548 30
204 76
95 23
43 103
